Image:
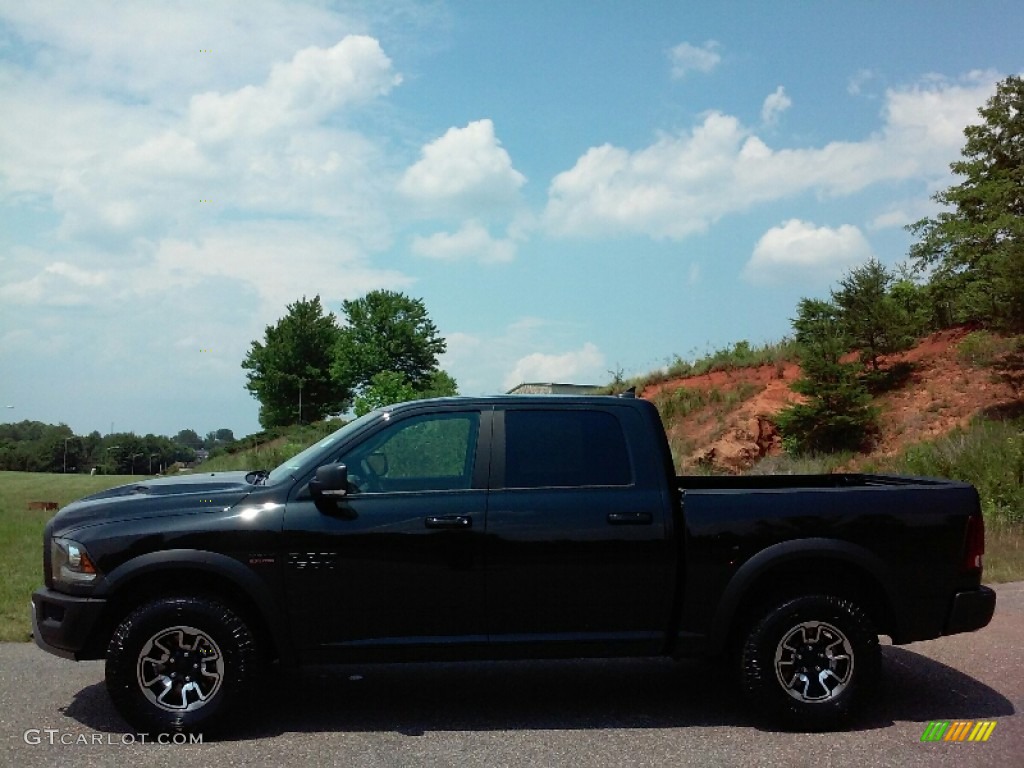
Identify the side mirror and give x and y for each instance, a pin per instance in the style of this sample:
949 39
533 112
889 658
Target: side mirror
329 482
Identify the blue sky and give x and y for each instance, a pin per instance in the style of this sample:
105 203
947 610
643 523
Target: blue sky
571 187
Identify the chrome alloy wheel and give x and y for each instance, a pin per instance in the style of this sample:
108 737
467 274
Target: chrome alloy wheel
814 662
180 669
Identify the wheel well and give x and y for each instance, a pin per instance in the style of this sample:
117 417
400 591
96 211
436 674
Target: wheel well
183 582
813 576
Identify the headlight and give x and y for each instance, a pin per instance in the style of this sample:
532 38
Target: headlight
70 563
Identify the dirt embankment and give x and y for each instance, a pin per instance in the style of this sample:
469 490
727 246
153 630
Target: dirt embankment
941 392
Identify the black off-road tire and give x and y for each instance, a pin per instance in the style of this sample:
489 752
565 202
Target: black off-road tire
180 664
810 662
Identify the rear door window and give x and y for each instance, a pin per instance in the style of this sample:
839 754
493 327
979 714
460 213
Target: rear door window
565 448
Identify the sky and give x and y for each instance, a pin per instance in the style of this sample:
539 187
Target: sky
573 188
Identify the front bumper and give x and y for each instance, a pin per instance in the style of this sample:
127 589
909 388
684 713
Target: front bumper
971 610
63 624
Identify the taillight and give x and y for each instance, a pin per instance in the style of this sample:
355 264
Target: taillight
974 546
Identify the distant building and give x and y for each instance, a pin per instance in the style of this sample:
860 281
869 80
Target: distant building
555 389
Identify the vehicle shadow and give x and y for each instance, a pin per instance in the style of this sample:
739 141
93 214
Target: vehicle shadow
415 699
919 689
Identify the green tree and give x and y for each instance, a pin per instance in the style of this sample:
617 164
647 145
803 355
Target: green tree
976 248
389 387
439 384
385 388
916 301
874 321
837 414
189 438
218 438
292 366
386 331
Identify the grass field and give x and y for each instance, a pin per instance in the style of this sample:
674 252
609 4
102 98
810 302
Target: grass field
21 536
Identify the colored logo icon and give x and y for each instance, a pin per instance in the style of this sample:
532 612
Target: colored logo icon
958 730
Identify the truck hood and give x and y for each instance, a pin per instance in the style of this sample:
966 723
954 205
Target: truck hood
161 497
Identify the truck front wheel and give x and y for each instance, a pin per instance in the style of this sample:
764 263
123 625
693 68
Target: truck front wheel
179 664
810 661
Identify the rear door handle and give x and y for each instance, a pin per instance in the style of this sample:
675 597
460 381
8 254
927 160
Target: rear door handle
449 521
630 518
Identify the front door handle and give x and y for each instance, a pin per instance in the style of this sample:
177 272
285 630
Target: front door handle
449 521
630 518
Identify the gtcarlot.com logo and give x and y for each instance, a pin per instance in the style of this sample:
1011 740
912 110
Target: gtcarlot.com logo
54 736
958 730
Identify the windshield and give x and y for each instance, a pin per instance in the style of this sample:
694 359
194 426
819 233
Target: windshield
297 462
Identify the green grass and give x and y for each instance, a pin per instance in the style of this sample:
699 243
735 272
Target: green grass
983 349
21 536
267 450
987 454
1004 553
739 355
801 464
990 456
682 401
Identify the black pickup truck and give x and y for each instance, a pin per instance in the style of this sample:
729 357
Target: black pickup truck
497 528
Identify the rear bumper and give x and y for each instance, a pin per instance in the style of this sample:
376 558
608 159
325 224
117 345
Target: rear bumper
63 624
971 610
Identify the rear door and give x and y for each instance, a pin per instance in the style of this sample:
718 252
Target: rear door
577 547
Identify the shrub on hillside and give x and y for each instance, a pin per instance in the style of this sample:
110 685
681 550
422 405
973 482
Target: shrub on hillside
838 414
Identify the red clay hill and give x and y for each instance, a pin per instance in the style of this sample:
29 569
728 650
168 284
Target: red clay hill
942 391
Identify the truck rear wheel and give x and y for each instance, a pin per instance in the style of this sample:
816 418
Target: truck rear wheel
810 661
179 664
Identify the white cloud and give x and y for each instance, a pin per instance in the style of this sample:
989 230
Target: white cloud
471 241
465 167
313 84
799 251
277 261
274 262
58 284
529 348
687 58
681 184
900 213
774 105
856 83
115 170
156 52
568 367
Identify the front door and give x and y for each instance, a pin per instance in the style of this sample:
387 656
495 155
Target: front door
395 568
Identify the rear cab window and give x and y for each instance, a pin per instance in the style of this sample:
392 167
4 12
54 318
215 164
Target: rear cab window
565 448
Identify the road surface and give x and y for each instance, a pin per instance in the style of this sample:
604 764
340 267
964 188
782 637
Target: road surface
579 713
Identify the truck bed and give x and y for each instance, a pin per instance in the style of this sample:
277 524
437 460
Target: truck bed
798 482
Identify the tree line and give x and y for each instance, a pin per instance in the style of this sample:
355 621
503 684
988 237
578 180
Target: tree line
33 446
311 364
965 268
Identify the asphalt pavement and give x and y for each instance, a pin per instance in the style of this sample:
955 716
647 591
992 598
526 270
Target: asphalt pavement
576 713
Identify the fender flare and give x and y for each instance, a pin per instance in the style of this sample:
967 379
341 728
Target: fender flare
748 574
204 561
